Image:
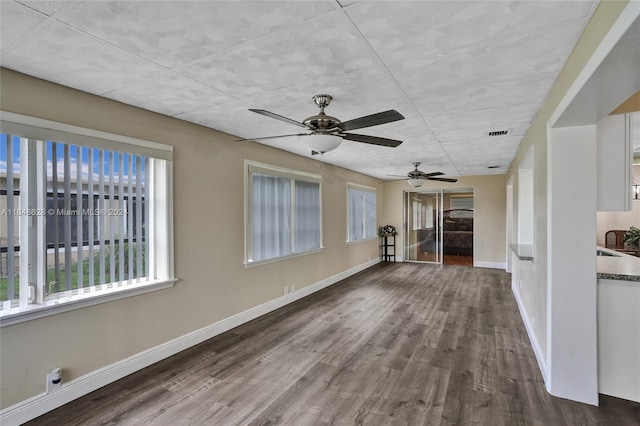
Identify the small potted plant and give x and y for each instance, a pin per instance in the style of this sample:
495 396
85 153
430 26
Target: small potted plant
632 238
387 231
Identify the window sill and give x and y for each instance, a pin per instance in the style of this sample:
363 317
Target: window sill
362 241
278 259
78 301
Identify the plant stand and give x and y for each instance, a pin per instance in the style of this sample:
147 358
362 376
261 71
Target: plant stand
388 248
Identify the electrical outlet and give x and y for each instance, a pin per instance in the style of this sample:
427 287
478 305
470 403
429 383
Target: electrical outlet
286 290
293 288
54 380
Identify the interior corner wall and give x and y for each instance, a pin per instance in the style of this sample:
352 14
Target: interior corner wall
209 244
489 198
531 291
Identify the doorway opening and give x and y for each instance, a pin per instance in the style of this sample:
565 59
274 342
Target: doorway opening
439 227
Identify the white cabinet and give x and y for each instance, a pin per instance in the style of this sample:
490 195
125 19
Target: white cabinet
614 163
619 338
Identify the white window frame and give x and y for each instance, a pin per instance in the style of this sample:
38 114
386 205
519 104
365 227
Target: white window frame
251 167
364 213
161 254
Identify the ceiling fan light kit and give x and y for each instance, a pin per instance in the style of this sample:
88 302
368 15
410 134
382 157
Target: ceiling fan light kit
327 132
322 142
416 183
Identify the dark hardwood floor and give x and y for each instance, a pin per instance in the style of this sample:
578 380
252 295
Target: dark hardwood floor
397 344
455 259
447 259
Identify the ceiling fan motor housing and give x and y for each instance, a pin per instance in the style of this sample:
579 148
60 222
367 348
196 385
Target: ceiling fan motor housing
322 123
415 174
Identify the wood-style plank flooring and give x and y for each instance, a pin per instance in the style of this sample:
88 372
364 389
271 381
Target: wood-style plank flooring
397 344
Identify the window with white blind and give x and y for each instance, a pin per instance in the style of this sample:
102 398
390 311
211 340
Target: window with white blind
283 213
462 203
361 213
85 216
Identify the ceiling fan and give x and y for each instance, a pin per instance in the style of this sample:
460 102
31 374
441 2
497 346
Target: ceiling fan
417 177
326 133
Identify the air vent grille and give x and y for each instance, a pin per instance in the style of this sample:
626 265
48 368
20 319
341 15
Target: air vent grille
498 132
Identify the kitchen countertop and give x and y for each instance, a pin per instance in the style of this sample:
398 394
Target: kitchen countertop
523 251
622 266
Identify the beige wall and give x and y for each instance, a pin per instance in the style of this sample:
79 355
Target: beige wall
489 227
208 203
533 288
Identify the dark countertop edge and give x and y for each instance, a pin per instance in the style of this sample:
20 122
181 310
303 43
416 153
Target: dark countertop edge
520 249
614 275
618 277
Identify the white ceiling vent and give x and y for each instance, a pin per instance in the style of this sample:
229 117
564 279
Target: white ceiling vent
499 132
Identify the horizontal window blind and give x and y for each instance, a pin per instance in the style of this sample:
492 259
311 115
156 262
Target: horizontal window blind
461 203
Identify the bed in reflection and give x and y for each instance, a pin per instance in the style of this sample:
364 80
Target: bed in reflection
457 235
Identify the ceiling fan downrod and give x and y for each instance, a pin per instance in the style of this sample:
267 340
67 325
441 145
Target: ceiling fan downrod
322 101
322 123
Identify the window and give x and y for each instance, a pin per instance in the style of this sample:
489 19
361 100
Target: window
284 214
361 207
461 203
83 215
417 213
429 210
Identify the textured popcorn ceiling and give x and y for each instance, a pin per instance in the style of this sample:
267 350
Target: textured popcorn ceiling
455 70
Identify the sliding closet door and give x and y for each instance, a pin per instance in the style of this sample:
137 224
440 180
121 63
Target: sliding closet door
423 229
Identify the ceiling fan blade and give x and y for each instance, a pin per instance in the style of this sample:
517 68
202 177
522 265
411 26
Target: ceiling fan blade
372 120
400 176
277 117
374 140
443 179
271 137
432 174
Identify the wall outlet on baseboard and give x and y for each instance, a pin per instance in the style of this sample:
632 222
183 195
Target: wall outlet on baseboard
54 380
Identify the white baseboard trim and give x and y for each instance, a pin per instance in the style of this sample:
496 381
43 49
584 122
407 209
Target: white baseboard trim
40 404
494 265
534 343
